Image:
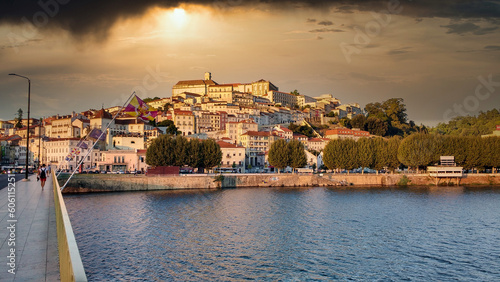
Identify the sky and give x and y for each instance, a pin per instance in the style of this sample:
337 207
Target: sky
441 57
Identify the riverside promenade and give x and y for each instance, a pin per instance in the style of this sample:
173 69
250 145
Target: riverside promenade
35 234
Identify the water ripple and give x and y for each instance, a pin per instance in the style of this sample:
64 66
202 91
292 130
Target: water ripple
314 234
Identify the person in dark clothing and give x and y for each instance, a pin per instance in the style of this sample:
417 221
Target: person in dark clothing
42 175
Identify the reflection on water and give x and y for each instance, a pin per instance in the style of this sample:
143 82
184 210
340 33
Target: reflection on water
376 233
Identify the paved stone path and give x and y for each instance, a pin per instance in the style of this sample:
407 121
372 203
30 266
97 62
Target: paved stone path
36 255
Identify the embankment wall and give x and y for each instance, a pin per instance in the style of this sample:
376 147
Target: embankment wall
107 183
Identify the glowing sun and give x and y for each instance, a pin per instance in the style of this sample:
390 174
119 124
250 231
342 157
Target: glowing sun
178 17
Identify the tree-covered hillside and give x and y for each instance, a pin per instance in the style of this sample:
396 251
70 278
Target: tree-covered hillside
484 123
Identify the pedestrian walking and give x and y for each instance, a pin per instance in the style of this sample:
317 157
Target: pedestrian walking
42 175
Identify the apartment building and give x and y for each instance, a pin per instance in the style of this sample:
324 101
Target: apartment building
303 100
233 156
235 129
159 103
317 144
58 149
282 98
123 160
283 132
184 121
256 144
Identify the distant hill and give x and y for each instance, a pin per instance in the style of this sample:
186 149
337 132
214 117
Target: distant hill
484 123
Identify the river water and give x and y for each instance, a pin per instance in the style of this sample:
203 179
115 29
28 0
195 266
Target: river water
288 234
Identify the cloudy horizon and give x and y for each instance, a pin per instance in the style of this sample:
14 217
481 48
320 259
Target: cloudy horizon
441 58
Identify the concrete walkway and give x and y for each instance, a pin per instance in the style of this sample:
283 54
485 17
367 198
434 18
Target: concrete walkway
36 255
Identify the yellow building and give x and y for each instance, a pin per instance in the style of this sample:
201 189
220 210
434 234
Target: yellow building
256 144
283 98
262 87
235 129
233 156
184 121
194 86
222 92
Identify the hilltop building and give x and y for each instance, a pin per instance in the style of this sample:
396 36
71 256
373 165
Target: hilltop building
199 86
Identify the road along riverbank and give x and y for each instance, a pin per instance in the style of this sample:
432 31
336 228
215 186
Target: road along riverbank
86 183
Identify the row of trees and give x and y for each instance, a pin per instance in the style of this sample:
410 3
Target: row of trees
416 151
168 150
471 152
376 153
283 154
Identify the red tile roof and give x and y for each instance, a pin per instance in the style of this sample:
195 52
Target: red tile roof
195 82
224 144
258 133
285 129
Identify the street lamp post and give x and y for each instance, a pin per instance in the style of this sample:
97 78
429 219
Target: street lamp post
39 141
28 131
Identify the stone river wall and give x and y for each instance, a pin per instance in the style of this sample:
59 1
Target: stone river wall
123 182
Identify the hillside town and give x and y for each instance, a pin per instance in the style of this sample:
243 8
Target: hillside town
244 119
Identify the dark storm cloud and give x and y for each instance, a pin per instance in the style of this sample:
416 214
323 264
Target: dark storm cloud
469 27
326 30
325 23
492 48
311 20
399 51
96 17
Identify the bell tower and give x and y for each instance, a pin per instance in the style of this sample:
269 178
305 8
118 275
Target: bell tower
208 76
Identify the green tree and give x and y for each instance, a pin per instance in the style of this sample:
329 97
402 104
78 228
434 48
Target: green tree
159 153
331 153
212 153
395 109
165 123
279 156
19 119
171 128
473 159
376 126
376 110
180 144
380 158
148 99
391 152
332 114
297 154
340 154
358 121
295 92
345 122
365 153
167 106
194 156
490 153
482 124
303 129
417 150
350 161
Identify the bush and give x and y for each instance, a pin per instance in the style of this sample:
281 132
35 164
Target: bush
404 181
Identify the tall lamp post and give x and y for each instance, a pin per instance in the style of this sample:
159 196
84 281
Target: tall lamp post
28 131
39 141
